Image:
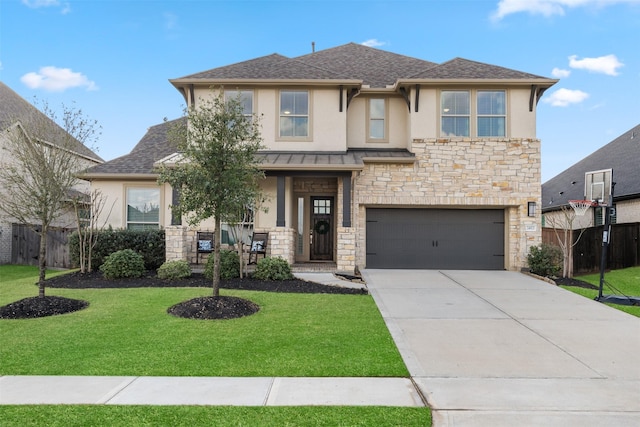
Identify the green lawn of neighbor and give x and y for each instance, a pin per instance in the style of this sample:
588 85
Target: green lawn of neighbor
617 282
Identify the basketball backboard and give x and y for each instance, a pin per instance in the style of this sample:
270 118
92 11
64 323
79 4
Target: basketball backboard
597 186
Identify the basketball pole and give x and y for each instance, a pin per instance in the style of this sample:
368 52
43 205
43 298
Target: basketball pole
606 236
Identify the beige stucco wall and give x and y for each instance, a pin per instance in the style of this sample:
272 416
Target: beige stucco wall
397 120
327 125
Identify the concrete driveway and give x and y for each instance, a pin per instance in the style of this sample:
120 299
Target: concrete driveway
498 348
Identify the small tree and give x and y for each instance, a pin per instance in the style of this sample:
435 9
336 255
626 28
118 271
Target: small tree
87 213
218 174
565 239
40 171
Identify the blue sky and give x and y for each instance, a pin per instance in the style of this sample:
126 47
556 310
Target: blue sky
113 58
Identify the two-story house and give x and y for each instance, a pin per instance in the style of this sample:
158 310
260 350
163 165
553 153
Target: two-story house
373 160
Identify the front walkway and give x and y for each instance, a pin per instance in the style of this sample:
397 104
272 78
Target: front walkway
498 348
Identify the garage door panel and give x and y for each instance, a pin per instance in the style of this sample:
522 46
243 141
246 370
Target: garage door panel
435 238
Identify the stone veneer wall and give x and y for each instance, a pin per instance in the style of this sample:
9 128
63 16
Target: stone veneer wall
282 243
462 172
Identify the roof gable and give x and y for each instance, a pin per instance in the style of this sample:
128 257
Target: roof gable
154 145
460 68
375 67
13 109
622 155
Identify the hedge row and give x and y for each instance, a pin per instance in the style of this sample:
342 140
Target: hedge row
149 243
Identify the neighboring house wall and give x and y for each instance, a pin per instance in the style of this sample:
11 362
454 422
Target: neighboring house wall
627 211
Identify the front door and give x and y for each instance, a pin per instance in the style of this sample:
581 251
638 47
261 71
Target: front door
322 228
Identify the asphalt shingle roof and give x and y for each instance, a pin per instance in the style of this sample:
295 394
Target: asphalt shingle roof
374 67
622 155
13 108
153 146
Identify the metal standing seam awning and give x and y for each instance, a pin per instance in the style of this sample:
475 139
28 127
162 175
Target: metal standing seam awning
325 164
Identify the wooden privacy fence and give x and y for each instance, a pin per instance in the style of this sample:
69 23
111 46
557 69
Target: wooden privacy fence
623 251
25 246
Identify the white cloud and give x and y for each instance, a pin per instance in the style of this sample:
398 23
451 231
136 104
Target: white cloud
373 43
548 7
170 21
564 97
608 64
54 79
559 73
37 4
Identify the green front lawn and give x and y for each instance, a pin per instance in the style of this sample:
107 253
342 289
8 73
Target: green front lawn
617 282
128 332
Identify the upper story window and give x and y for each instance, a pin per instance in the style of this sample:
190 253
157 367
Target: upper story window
491 113
488 118
455 112
377 119
143 208
294 113
245 97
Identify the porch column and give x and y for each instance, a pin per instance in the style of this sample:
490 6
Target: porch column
346 201
280 217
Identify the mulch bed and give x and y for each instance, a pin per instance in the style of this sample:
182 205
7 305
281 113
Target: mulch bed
570 281
223 307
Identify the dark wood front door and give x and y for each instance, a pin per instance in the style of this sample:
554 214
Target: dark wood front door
322 228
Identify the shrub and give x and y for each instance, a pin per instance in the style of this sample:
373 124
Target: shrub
176 269
124 263
149 243
545 260
273 269
229 265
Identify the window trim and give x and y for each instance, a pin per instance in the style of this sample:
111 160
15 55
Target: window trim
385 120
473 112
308 137
126 204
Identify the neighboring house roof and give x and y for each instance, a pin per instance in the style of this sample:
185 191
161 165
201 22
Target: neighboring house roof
354 64
14 109
154 145
622 155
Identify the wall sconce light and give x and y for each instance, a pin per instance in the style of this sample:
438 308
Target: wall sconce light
531 208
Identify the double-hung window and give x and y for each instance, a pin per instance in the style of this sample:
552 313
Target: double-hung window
143 208
245 97
377 119
294 113
455 112
491 113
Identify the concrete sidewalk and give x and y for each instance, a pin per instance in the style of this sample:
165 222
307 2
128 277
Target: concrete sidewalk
257 391
498 348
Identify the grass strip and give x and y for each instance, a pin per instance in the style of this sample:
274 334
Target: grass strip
219 416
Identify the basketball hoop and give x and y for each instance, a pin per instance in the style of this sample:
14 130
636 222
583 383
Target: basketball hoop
581 206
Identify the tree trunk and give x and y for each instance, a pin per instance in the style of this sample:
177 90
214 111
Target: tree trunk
216 257
42 261
240 248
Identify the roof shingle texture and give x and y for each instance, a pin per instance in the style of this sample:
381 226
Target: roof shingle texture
153 146
374 67
13 108
622 155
